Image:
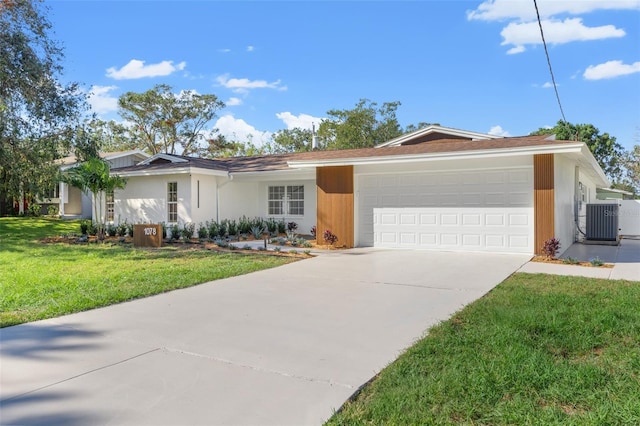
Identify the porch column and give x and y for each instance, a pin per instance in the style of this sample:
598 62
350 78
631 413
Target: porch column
61 201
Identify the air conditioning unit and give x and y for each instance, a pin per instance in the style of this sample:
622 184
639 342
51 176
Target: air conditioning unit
602 222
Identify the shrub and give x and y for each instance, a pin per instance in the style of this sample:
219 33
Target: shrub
232 227
52 210
213 228
282 226
203 232
129 229
111 230
34 209
307 252
313 231
329 237
551 248
187 231
277 249
121 229
93 228
222 228
307 244
292 226
84 227
244 225
596 261
175 232
570 261
272 225
246 247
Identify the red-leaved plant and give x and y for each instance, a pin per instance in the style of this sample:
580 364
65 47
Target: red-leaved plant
313 231
551 247
329 237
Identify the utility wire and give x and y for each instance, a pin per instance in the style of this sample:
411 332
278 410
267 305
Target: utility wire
546 51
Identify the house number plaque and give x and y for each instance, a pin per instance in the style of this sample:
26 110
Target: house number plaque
147 235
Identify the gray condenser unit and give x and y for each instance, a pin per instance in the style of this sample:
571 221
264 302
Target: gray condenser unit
602 222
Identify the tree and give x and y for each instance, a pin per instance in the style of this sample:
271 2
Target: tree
94 175
632 167
292 140
170 123
364 126
35 108
604 147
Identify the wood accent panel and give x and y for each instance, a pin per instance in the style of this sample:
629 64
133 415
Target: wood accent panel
335 203
543 200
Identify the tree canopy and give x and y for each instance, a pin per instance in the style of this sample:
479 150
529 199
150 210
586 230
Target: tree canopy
35 107
605 149
364 126
165 122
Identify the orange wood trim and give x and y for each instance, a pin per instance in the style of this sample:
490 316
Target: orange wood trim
335 203
543 200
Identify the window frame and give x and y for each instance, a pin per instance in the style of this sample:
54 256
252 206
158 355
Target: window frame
284 204
172 202
109 206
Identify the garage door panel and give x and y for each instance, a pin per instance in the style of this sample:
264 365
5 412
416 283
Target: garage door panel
483 210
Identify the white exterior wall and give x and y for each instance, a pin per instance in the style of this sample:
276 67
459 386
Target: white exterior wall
568 197
247 196
204 202
564 201
144 199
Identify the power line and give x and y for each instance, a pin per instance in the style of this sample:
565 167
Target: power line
546 51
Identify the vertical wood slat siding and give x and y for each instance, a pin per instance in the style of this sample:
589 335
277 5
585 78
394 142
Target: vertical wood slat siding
543 200
335 203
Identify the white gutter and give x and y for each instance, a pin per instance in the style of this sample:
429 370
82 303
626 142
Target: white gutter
412 158
171 171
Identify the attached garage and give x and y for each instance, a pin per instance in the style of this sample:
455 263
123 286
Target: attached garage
478 210
463 193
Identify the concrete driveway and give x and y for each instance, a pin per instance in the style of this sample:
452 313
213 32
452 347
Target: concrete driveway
283 346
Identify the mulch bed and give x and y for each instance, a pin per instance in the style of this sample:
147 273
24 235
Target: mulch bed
545 259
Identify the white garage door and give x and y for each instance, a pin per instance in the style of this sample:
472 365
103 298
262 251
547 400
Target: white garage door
466 211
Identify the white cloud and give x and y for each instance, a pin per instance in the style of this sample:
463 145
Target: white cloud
224 50
555 32
302 121
548 85
250 48
610 69
243 85
233 102
137 69
236 129
499 131
101 100
499 10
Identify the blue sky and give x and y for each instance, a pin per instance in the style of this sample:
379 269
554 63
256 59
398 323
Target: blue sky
471 65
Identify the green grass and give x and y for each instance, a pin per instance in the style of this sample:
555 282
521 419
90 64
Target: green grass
40 281
538 349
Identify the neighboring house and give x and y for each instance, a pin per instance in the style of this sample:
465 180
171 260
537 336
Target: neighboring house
436 188
71 201
613 194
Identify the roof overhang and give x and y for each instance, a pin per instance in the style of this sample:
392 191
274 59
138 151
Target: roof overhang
171 171
441 156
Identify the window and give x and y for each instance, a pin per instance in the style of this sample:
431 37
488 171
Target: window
53 192
286 200
109 206
172 202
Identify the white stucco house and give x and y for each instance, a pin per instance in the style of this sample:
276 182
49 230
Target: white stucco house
436 188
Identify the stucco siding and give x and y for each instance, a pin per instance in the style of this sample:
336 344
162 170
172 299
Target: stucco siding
144 199
306 221
203 196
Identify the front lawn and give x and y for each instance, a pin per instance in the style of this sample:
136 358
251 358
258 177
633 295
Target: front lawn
40 281
538 349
